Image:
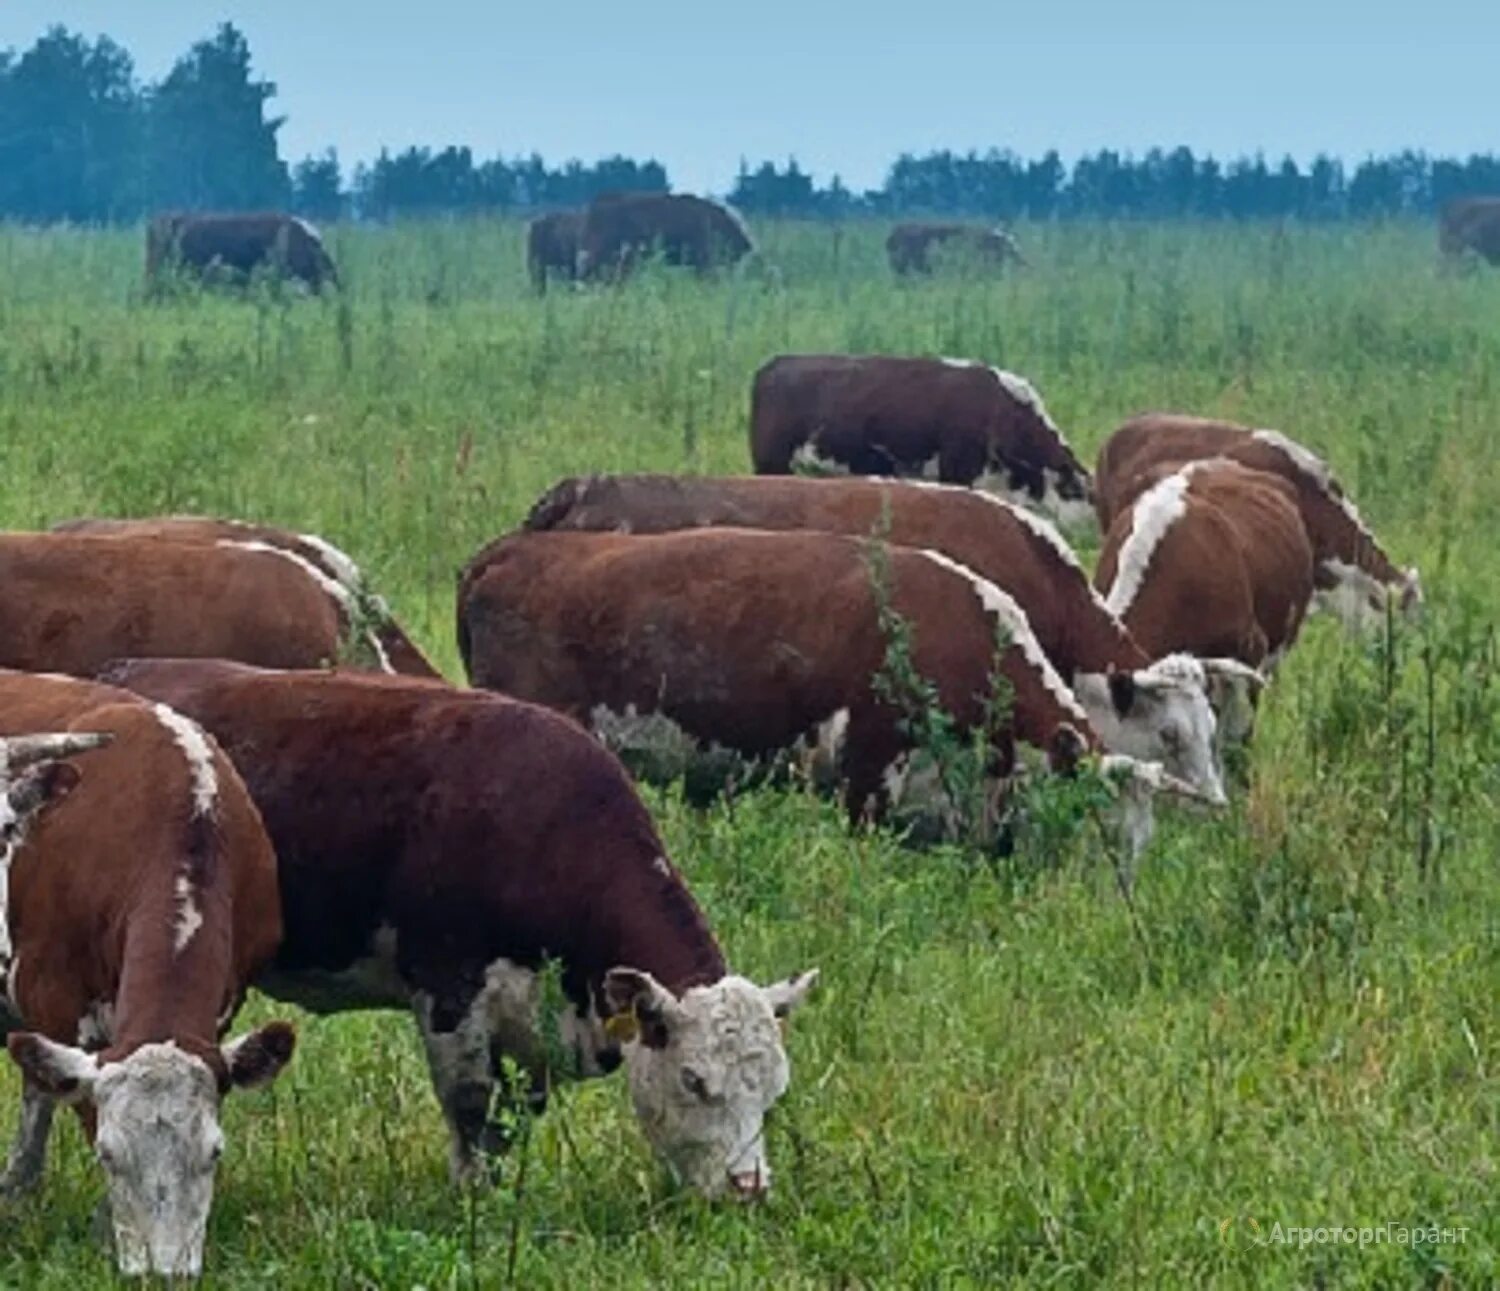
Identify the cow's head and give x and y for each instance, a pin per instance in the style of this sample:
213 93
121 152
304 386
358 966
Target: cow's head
1234 692
32 774
158 1135
1359 600
1137 785
705 1067
1158 714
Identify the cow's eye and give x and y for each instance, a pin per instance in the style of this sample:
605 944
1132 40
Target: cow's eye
695 1084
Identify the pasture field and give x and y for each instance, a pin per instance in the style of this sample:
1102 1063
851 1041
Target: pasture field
1009 1075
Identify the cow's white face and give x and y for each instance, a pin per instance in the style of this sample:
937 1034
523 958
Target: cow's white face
1158 714
1358 599
1137 785
704 1069
1234 692
158 1138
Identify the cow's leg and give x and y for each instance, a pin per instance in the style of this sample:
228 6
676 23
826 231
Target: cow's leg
28 1154
458 1056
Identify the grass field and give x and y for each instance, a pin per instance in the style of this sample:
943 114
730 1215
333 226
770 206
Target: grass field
1008 1076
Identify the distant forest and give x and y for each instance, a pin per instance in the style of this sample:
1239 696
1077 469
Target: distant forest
83 139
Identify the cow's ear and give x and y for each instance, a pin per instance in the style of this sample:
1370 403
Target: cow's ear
634 996
256 1059
785 997
61 1070
1122 691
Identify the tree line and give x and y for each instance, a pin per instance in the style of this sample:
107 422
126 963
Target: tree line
83 139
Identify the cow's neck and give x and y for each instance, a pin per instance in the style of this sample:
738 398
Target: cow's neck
169 991
659 929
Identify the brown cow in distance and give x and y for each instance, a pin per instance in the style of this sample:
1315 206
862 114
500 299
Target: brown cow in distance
745 647
1213 559
1354 577
910 247
332 569
438 847
235 245
1471 224
140 907
552 242
621 230
1155 711
952 420
71 602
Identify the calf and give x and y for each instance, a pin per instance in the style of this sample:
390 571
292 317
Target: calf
70 602
763 643
1213 559
331 569
438 847
139 910
952 420
1154 711
1353 576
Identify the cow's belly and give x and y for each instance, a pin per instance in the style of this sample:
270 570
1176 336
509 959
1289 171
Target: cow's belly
369 982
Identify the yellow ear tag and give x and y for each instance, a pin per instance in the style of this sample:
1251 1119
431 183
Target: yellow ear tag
622 1027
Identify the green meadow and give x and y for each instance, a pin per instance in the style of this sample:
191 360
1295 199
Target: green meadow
1010 1074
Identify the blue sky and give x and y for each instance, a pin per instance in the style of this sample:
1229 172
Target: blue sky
842 87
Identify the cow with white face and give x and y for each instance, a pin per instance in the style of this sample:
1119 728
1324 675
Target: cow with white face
705 1067
157 1137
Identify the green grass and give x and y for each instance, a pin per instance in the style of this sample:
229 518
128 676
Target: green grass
1000 1081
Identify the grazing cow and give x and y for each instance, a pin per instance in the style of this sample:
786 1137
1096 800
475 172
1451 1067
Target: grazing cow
1212 559
552 247
70 602
454 844
910 247
236 244
945 419
139 910
1154 711
332 569
620 230
1353 576
700 642
1471 225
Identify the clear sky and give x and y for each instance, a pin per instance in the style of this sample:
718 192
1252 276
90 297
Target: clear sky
841 87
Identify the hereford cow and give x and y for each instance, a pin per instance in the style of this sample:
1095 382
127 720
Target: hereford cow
1353 576
235 245
1212 559
70 602
910 247
1154 711
332 569
945 419
620 230
456 843
139 910
552 247
1471 225
756 645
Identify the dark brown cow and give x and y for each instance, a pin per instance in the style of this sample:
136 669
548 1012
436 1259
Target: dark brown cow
452 843
757 645
139 909
952 420
1212 559
236 244
332 569
71 602
1354 577
552 242
620 230
1155 711
910 247
1471 225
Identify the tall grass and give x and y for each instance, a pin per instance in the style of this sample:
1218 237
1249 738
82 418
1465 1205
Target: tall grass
1002 1078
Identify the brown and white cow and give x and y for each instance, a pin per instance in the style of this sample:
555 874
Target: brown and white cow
438 847
70 602
952 420
235 244
1155 711
620 230
388 645
1211 559
911 247
139 909
1354 577
758 645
